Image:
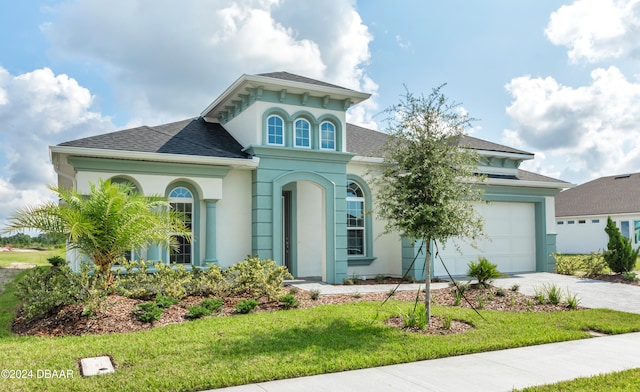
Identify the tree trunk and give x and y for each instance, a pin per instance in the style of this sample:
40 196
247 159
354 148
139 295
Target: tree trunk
427 282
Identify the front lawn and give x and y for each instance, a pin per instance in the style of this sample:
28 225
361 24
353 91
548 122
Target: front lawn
627 380
30 257
224 351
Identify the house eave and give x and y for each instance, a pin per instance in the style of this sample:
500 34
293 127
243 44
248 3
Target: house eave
528 184
236 163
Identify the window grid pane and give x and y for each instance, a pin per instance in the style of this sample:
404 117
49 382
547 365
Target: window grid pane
183 254
275 131
327 136
303 138
355 241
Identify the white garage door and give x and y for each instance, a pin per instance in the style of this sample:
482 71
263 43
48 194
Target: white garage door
510 242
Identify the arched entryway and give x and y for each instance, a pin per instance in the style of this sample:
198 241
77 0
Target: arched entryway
304 224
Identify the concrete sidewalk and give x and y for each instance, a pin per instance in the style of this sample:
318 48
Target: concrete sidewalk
501 370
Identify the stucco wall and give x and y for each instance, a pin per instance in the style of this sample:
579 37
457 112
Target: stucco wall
234 218
587 237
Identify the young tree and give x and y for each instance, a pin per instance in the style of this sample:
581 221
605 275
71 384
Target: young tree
428 181
620 255
104 224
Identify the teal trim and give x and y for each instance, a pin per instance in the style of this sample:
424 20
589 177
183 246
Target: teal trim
503 190
195 224
315 157
154 252
210 232
368 257
338 127
146 167
293 246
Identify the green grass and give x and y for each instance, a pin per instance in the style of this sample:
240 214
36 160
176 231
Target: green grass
38 257
8 306
224 351
627 380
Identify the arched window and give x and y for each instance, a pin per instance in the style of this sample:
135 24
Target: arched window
181 199
355 220
302 136
275 131
327 136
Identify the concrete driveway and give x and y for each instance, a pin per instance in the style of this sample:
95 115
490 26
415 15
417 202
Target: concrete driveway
592 293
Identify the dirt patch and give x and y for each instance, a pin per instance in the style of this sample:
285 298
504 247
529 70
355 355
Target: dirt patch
614 278
116 314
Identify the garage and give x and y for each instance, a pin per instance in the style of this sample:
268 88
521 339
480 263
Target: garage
510 241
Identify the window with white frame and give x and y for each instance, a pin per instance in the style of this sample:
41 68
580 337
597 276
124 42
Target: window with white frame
327 136
355 220
302 136
275 130
181 200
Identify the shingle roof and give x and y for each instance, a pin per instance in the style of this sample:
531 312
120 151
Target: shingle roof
187 137
302 79
367 142
606 195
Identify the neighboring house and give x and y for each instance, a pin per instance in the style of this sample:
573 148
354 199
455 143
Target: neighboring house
581 213
272 168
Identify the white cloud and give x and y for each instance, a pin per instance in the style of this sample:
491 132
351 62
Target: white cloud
167 60
39 109
595 30
590 130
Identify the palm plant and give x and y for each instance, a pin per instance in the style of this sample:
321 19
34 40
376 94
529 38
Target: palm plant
111 220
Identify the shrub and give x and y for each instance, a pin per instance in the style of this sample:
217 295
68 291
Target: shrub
210 281
196 312
500 292
446 321
214 305
379 278
245 306
515 288
566 264
133 280
148 312
314 294
171 280
572 300
483 271
46 289
594 264
56 261
257 277
553 294
416 319
164 301
620 255
289 301
630 276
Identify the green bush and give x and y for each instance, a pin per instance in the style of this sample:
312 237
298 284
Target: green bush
164 301
148 312
288 301
214 305
172 280
594 264
630 276
210 281
133 279
257 277
620 255
567 264
314 294
196 312
56 261
483 271
245 306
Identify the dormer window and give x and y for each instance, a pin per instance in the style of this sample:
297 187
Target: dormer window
327 136
275 131
302 133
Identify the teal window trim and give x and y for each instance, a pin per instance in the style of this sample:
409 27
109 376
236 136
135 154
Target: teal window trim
367 258
195 223
327 136
315 132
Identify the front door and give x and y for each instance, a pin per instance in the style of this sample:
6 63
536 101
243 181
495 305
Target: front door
286 229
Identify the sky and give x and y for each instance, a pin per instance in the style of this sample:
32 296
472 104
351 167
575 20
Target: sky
560 79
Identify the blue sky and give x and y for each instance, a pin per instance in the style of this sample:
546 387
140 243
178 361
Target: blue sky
560 79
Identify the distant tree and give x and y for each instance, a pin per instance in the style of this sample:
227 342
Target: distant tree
620 255
104 224
428 181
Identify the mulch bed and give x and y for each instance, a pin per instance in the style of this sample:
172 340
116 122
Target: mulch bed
116 315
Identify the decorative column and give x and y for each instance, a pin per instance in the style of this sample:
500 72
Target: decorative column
210 232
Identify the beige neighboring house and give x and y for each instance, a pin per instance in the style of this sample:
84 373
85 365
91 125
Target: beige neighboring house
582 211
